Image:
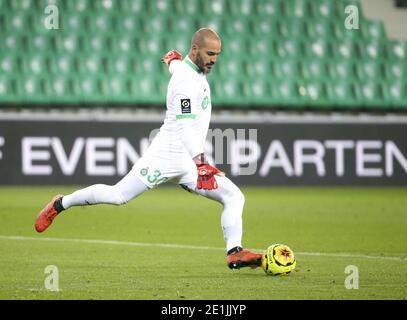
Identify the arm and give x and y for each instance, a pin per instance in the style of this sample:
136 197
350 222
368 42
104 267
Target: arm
172 59
187 131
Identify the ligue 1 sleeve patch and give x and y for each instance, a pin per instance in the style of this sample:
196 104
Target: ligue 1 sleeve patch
186 105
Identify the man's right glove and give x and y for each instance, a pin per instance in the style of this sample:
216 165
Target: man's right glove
170 56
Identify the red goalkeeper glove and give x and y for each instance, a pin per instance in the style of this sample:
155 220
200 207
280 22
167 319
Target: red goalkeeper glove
206 174
170 56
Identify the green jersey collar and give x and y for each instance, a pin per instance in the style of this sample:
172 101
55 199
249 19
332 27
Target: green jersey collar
192 65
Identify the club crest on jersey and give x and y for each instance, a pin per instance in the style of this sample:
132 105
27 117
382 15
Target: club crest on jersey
186 105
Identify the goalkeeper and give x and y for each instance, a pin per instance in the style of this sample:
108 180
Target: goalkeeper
177 153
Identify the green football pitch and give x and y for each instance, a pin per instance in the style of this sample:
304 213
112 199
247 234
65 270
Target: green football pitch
168 244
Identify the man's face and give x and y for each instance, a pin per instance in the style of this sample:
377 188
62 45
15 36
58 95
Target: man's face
207 54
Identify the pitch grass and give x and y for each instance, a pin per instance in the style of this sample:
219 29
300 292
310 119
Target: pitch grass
357 221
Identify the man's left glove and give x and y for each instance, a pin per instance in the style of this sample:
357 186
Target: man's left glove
206 176
170 56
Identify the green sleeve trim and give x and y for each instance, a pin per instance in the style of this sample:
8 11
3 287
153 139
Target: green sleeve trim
186 116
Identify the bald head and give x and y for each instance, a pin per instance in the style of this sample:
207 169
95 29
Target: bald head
203 35
205 48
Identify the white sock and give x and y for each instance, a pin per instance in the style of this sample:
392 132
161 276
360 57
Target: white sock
125 190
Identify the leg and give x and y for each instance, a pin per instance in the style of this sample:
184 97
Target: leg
122 192
233 200
126 189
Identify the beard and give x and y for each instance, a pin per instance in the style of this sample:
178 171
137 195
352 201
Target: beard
201 65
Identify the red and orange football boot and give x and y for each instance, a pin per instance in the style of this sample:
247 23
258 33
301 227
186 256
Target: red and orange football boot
47 215
238 258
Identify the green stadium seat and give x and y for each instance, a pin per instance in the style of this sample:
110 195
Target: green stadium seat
232 45
255 91
39 43
10 64
342 69
292 53
67 43
11 44
313 93
183 25
317 49
128 23
292 28
345 50
8 93
19 21
87 88
155 25
259 68
372 49
35 64
373 94
285 92
151 45
100 23
268 9
95 43
373 30
285 69
260 46
33 88
105 6
320 29
344 94
315 69
214 8
226 90
289 48
150 65
233 27
73 21
60 90
323 9
264 26
229 66
188 8
121 65
124 44
64 65
116 88
239 8
395 70
92 64
79 5
369 70
297 9
176 41
397 91
397 50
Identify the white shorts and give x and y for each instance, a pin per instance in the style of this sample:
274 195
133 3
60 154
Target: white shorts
157 168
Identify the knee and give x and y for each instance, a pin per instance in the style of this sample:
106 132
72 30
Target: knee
236 198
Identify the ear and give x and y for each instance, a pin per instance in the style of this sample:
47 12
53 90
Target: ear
194 49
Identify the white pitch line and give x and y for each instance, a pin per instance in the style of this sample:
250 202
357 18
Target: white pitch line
183 246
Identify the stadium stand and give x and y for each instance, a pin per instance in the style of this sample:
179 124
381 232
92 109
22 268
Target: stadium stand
276 54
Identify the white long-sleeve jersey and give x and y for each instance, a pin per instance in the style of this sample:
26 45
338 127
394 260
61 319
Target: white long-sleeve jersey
188 112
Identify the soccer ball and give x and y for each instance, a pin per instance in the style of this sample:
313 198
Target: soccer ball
278 259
